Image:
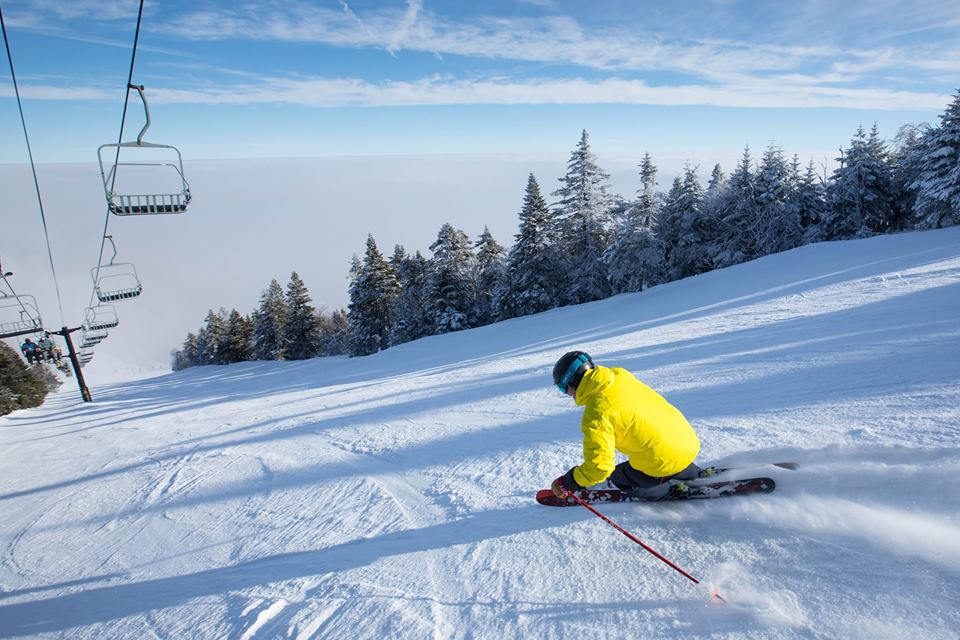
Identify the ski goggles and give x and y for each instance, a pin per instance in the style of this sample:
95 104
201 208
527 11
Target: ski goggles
565 379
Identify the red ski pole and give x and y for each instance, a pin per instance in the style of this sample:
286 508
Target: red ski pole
647 548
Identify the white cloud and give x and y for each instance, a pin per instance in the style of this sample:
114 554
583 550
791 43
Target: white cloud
787 91
774 92
49 92
85 9
709 71
554 40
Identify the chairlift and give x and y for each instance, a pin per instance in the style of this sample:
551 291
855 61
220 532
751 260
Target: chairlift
19 314
167 191
115 280
91 337
101 316
94 334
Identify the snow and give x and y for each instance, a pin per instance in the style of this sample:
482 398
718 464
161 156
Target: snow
392 495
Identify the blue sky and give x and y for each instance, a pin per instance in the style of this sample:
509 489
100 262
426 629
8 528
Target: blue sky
294 78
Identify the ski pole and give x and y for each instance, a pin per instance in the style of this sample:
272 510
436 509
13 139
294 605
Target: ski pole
646 547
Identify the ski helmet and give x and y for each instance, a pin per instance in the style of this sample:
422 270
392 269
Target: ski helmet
570 368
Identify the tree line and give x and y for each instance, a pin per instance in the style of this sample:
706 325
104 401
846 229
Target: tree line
590 244
284 326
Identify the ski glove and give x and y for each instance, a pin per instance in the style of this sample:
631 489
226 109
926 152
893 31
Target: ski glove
558 488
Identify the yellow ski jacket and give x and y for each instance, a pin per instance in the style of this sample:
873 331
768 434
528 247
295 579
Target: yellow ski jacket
623 414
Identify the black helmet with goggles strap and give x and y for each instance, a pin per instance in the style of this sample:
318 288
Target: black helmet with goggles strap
570 369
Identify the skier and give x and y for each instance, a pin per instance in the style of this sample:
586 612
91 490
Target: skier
623 414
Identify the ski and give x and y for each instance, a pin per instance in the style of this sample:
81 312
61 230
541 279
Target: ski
675 491
709 472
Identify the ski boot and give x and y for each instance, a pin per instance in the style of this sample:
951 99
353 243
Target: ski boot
678 489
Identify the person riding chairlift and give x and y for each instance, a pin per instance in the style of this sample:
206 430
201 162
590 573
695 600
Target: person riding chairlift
29 349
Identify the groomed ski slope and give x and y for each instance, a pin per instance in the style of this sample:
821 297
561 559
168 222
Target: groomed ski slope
392 496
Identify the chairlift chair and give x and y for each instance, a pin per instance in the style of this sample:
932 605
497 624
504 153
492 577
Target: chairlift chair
175 194
101 316
19 314
115 280
91 337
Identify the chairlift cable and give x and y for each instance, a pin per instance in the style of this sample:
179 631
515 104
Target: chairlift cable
33 167
123 119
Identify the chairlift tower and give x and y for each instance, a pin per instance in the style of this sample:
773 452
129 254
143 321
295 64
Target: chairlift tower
27 321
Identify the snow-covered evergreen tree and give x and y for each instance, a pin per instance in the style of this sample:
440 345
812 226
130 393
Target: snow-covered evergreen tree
686 229
491 273
237 341
937 184
635 257
775 184
741 230
534 274
410 318
809 200
859 194
717 180
373 293
881 217
583 212
450 281
21 386
905 160
186 356
334 339
269 321
301 330
209 338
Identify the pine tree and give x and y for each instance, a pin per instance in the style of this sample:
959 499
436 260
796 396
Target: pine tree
809 200
741 232
210 338
20 386
859 194
635 257
775 183
717 179
334 333
937 184
905 170
237 344
450 281
410 318
491 273
583 212
880 216
373 292
269 322
686 229
301 330
187 355
534 275
177 361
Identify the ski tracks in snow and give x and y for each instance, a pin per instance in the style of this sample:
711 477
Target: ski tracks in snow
416 585
418 513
